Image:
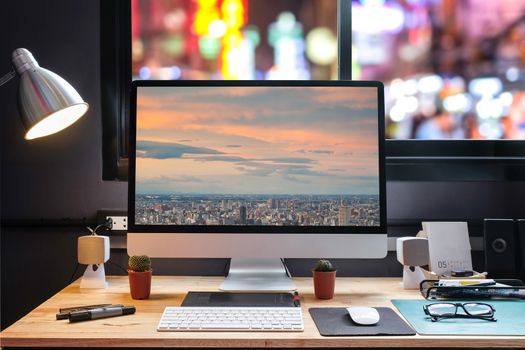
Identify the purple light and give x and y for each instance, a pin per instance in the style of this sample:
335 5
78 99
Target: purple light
144 73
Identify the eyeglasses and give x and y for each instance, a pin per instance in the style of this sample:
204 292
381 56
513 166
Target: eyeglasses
439 311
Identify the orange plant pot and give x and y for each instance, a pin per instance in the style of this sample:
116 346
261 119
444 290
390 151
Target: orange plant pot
139 284
324 284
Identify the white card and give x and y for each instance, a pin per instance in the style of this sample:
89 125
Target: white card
448 246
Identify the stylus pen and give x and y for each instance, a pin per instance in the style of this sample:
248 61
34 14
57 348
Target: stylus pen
102 312
64 313
82 307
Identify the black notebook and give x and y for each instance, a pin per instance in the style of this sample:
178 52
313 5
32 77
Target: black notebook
335 321
229 299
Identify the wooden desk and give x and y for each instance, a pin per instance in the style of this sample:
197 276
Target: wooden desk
40 329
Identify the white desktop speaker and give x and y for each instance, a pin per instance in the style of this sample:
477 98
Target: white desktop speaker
93 251
412 252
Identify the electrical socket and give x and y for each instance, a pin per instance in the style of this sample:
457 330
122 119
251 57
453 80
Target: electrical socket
117 219
118 223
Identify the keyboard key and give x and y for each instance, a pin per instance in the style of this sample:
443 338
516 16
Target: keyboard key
227 326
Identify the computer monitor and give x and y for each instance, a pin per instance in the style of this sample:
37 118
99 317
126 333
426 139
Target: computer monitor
254 170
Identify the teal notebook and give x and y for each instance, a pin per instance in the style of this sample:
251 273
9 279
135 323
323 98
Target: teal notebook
510 315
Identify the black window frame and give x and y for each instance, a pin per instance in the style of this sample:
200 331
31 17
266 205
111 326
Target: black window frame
406 160
115 71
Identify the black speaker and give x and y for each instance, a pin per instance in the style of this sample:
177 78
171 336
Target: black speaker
521 249
500 248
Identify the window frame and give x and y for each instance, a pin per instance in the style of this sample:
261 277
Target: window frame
115 77
406 160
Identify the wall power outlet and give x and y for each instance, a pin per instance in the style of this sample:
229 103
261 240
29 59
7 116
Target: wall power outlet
117 220
118 223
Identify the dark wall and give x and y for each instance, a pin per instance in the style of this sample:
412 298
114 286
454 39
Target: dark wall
57 176
463 201
60 177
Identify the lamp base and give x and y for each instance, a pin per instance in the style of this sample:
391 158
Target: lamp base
412 277
94 277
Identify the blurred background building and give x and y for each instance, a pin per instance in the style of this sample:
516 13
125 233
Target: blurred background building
453 69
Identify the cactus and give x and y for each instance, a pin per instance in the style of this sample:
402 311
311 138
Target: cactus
324 266
139 263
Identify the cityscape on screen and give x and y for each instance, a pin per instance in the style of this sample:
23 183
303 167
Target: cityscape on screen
281 156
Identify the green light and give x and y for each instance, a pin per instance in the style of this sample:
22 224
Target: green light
209 47
173 45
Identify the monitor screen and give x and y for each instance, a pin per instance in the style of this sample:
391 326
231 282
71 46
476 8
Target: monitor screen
257 157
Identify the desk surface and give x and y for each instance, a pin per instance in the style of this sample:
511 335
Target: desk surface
40 329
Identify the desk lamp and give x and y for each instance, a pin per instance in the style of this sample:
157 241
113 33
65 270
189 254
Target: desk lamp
93 251
412 252
47 103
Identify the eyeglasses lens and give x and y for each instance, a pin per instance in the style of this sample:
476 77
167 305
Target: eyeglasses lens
442 309
478 309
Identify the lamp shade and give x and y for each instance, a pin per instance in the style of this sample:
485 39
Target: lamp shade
47 103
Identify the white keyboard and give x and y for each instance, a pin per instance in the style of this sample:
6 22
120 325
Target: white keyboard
232 319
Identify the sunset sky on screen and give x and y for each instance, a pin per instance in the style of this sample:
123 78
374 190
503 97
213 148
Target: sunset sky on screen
257 140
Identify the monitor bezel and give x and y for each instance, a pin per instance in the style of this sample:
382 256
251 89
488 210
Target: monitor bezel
132 227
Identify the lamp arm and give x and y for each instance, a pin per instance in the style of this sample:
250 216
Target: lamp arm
7 77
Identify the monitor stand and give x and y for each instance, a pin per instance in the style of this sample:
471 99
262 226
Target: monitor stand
257 275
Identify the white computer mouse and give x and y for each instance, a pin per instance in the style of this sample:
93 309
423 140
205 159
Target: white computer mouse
365 316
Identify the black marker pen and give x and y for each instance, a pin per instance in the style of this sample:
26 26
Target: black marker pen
102 312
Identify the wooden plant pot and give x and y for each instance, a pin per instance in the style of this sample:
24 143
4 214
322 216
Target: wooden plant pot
139 284
324 284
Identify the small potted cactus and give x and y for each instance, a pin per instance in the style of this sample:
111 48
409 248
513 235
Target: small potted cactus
324 279
139 272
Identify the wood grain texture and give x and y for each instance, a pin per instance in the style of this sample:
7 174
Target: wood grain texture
40 329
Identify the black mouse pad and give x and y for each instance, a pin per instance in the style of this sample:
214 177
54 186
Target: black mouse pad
335 321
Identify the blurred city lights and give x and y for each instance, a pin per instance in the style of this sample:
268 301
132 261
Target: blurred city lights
372 2
236 54
217 28
144 73
410 87
430 84
485 87
252 34
206 13
489 108
455 85
512 74
490 130
175 20
209 47
397 113
426 60
176 72
457 103
174 45
137 51
286 22
506 98
396 88
286 37
378 18
409 104
321 46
